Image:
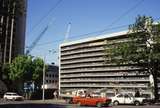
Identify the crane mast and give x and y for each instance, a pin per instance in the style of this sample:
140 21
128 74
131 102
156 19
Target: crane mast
30 48
68 31
34 43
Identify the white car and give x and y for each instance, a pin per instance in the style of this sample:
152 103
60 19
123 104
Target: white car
127 99
12 96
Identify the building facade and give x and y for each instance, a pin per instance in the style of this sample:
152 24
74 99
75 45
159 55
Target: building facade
83 66
12 32
51 77
12 28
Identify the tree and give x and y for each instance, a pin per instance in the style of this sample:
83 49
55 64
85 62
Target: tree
18 70
37 73
23 69
5 76
19 67
142 47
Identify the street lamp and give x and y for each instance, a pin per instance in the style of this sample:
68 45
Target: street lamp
43 94
43 79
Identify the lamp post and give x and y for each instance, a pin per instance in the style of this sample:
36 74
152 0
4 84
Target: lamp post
43 94
149 43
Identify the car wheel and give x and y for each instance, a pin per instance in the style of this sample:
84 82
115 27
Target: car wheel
68 101
79 103
137 103
99 104
13 99
115 103
22 99
5 99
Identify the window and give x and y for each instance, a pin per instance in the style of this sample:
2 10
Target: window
8 94
120 96
126 96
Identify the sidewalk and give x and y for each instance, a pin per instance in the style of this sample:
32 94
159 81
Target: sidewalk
46 101
49 101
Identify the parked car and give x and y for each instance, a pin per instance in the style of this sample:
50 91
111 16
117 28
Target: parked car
12 96
96 94
91 101
127 99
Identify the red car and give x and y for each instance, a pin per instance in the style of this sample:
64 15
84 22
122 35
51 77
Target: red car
91 101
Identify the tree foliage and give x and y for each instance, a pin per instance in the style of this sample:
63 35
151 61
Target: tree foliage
143 45
24 68
141 48
37 70
19 67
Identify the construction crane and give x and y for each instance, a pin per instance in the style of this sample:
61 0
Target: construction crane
32 46
68 32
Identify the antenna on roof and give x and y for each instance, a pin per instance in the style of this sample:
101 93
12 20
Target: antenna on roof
68 32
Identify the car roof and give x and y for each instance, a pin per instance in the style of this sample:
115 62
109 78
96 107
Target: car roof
124 94
10 93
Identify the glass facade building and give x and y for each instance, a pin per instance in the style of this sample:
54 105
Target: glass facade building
12 29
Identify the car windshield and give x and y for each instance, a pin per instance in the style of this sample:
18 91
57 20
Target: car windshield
13 94
120 95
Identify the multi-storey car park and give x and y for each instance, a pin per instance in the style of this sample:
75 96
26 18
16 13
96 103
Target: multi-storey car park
83 66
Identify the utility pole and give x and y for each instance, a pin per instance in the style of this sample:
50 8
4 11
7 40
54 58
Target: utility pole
44 68
43 98
148 27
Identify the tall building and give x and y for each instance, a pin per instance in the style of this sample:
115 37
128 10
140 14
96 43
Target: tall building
12 28
82 66
51 77
51 81
12 32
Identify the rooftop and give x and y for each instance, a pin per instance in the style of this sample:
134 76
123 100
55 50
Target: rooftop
95 38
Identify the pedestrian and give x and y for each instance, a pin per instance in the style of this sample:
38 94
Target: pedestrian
137 93
55 94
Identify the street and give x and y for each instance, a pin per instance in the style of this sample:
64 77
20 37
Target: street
66 106
58 104
120 106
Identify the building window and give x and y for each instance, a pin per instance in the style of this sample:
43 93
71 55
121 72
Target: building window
52 81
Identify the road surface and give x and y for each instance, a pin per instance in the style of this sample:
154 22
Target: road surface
57 104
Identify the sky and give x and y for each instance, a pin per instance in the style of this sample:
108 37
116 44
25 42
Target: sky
88 18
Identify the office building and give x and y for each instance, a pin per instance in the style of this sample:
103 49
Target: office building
12 31
51 77
82 66
12 28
